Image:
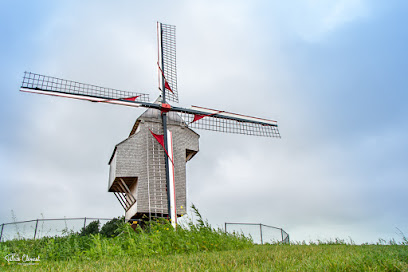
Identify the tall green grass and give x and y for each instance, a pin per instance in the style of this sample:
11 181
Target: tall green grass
330 257
195 246
155 238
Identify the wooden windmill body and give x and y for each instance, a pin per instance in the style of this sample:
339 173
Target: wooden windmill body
137 168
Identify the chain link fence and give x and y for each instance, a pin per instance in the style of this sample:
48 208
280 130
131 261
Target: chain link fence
38 228
260 233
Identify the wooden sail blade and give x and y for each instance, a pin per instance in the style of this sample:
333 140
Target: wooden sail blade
216 120
40 84
167 61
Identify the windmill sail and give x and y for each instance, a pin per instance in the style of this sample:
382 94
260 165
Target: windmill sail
222 121
167 61
35 83
195 117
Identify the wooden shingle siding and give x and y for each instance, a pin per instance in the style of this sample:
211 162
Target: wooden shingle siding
140 156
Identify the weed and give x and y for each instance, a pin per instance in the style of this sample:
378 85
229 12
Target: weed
403 237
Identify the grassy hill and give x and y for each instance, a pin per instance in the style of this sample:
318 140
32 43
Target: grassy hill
193 247
255 258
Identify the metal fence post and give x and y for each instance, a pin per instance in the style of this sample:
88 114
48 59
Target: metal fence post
260 227
225 227
1 234
282 235
84 223
35 232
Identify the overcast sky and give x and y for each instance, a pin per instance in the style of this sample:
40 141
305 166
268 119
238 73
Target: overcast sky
332 73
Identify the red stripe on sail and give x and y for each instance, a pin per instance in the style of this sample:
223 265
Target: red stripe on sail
166 84
198 117
160 139
133 98
201 116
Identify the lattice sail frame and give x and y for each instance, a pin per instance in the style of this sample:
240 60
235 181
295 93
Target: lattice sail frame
74 89
167 60
211 119
221 124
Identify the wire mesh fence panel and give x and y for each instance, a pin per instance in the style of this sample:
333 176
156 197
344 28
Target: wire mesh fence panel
86 223
285 237
252 231
40 228
20 231
102 221
260 233
51 228
271 235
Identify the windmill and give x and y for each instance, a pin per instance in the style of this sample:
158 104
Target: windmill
193 117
